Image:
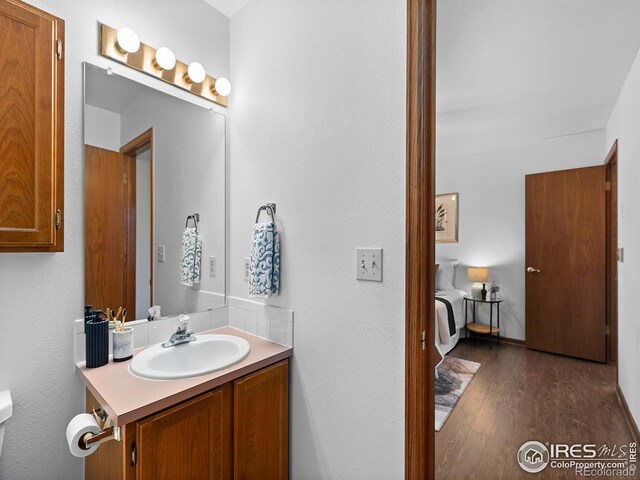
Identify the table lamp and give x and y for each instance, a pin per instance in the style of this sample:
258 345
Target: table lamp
478 275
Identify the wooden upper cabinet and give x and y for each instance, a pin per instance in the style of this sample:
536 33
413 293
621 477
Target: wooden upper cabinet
31 129
261 424
191 441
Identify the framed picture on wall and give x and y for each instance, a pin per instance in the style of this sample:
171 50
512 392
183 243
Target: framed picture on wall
447 218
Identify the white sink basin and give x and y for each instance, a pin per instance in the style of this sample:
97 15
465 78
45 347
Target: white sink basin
205 355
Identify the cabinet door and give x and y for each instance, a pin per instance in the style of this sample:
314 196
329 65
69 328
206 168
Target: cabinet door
191 441
31 128
261 424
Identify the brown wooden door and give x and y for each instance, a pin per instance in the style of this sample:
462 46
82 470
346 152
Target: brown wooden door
261 424
109 230
31 129
565 241
191 441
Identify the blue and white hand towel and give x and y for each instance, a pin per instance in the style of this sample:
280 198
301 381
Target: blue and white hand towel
191 257
264 266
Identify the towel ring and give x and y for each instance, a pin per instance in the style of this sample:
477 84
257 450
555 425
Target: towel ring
271 210
196 219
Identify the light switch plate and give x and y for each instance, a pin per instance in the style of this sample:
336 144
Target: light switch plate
161 253
621 254
246 269
212 266
369 264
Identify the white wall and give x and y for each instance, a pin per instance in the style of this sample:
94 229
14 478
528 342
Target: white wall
492 212
625 126
318 126
189 171
41 294
102 128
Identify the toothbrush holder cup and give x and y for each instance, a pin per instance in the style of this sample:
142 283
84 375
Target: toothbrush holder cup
122 344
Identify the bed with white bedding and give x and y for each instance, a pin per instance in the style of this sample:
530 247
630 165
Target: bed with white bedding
444 340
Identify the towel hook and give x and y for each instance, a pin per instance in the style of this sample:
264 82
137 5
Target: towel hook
270 209
196 219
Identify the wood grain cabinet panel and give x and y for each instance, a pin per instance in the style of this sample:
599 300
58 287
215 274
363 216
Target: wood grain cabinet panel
261 424
112 460
31 129
191 441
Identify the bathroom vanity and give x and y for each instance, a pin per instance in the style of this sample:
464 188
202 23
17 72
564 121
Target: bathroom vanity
232 423
154 207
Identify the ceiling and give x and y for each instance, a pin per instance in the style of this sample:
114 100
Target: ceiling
228 7
110 92
514 72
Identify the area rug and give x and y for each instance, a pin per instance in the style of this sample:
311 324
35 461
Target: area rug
454 374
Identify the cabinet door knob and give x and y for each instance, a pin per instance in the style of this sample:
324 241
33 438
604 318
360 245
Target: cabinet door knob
532 270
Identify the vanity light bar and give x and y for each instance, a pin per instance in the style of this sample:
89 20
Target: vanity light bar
144 60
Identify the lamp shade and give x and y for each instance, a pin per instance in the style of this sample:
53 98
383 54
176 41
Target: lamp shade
478 274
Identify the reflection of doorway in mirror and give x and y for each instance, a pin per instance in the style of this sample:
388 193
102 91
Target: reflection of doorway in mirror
119 226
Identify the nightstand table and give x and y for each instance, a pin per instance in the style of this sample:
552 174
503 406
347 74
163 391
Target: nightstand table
481 328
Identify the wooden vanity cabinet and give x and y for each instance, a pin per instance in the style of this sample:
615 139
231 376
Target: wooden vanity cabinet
190 441
238 430
260 424
31 129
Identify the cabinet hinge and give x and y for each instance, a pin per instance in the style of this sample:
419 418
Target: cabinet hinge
133 453
607 186
59 49
58 219
423 339
607 330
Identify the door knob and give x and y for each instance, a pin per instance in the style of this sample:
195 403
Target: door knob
532 270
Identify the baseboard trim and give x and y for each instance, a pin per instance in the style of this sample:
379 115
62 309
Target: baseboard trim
633 427
512 341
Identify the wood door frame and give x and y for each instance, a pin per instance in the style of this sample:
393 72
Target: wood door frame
140 144
420 241
611 164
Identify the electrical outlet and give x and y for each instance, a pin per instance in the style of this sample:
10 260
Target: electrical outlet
369 264
161 253
212 266
246 269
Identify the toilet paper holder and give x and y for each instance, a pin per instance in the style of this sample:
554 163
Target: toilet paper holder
108 431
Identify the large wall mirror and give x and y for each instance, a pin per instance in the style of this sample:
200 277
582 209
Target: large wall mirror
154 199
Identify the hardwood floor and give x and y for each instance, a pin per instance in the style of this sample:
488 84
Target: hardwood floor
520 395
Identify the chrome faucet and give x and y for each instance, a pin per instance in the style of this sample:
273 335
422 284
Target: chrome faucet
182 334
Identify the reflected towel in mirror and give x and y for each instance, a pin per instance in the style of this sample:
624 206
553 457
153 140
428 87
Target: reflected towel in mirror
191 257
264 265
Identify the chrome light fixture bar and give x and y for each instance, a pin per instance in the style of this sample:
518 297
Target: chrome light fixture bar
151 61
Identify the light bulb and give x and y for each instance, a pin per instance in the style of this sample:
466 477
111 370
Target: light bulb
223 86
165 59
196 73
127 40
